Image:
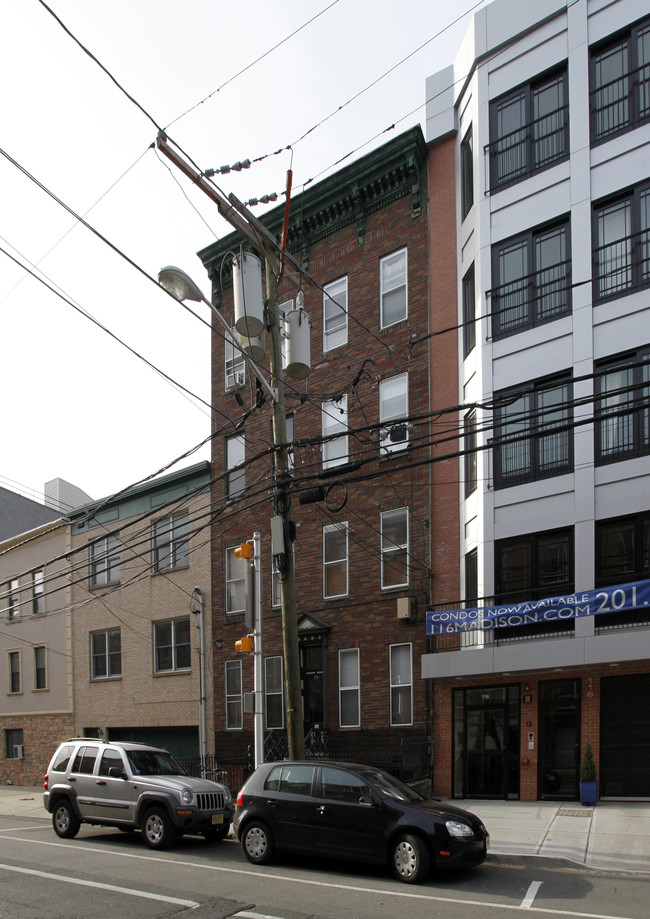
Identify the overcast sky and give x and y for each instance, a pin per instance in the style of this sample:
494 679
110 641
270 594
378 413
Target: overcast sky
76 404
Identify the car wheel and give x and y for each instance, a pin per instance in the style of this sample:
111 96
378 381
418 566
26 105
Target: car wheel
257 843
64 820
410 859
157 829
215 834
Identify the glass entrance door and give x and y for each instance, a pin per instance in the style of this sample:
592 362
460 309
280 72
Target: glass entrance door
486 742
486 752
311 674
559 739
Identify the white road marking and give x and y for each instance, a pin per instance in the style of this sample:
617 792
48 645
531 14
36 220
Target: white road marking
268 877
531 893
191 904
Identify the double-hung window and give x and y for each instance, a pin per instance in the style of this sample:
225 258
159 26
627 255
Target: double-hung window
13 599
274 699
235 366
533 279
14 671
170 542
393 413
335 432
235 468
335 560
105 654
235 582
621 232
172 645
620 83
401 684
529 129
393 288
335 314
38 592
395 548
234 696
533 432
40 670
349 688
623 408
104 561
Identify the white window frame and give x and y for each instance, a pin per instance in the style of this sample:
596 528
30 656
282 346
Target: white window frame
343 564
39 667
334 416
390 549
104 555
13 599
233 696
174 646
335 314
38 592
394 407
235 456
350 684
235 585
234 363
107 653
170 542
400 688
276 689
393 275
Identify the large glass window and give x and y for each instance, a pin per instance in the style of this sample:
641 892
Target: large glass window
235 469
335 314
335 432
533 434
623 550
622 244
393 412
395 548
401 684
171 544
104 561
394 288
273 688
234 699
533 280
335 560
620 83
105 654
529 129
623 408
172 645
349 688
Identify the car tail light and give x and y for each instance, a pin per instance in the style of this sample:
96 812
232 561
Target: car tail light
46 781
240 798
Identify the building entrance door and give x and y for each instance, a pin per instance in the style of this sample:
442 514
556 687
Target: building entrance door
487 752
486 742
311 677
559 739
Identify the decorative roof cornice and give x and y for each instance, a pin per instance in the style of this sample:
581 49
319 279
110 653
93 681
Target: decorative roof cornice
348 197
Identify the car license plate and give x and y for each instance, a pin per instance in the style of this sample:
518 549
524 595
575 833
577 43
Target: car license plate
217 818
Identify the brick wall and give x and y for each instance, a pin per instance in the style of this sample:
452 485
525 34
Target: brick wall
41 736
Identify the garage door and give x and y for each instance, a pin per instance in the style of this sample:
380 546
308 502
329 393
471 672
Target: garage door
625 737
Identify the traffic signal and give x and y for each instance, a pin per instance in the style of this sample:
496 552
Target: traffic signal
245 550
244 645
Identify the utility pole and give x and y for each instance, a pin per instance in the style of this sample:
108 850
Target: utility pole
261 239
282 501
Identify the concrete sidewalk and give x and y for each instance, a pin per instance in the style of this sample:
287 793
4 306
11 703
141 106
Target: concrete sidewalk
608 836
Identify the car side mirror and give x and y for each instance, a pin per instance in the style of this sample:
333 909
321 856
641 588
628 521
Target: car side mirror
367 800
115 772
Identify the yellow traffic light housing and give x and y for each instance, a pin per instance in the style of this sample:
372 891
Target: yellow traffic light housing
245 550
244 645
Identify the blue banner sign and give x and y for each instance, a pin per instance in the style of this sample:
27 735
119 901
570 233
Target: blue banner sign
585 603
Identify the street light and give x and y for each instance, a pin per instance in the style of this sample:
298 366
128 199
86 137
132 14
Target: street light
181 286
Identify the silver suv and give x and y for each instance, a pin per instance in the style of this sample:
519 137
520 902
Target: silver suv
132 786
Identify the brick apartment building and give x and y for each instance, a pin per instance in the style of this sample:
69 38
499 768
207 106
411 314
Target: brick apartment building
361 423
547 106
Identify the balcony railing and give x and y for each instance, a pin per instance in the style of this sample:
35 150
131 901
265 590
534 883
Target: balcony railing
529 149
620 104
622 266
529 301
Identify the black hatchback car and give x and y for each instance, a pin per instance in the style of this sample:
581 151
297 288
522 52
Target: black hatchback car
353 812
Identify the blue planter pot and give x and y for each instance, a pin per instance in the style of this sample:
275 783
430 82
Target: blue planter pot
588 793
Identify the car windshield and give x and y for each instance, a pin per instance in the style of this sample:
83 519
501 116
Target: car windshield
153 762
390 786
